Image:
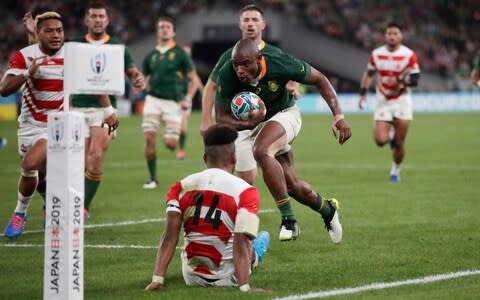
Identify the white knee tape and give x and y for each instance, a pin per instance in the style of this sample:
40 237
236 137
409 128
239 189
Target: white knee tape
150 125
247 222
33 173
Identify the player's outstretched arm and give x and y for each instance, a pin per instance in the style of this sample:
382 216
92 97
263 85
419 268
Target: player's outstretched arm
242 259
167 247
208 99
341 129
12 83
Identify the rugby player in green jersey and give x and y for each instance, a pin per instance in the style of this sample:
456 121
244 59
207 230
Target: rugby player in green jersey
165 66
100 109
251 24
274 130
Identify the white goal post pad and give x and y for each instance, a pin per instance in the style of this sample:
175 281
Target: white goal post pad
94 69
63 261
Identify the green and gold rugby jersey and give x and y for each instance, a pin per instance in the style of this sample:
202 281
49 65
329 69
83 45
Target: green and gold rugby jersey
167 72
277 69
92 100
264 48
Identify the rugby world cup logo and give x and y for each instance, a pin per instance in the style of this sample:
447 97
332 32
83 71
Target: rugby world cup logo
57 132
77 132
98 63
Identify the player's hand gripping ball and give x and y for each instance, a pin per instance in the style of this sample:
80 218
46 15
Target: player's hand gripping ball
242 103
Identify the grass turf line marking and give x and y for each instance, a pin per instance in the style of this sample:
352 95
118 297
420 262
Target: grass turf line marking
131 222
85 246
381 285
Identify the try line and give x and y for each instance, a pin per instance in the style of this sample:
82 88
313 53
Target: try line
380 285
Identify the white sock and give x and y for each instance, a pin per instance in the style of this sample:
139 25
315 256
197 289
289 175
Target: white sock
395 169
23 203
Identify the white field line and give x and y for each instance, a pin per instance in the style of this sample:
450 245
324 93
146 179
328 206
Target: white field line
361 166
380 285
308 165
131 222
85 246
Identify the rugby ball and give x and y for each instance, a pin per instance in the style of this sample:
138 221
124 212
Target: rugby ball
242 103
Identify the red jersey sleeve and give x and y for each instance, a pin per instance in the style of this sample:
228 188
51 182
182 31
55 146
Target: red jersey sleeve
413 64
17 61
174 191
371 63
250 200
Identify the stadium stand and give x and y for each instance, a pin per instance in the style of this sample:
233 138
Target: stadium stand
444 34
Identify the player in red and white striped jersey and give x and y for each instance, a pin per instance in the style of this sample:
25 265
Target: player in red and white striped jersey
397 70
219 215
38 71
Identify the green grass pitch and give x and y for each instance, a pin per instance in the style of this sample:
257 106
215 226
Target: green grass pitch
426 225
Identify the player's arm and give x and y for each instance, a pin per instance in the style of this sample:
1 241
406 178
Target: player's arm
30 28
12 82
223 114
109 113
135 77
246 229
166 250
476 77
208 99
194 84
242 247
365 83
412 73
293 89
341 129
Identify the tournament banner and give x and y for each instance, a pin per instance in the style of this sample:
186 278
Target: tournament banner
63 269
94 69
422 102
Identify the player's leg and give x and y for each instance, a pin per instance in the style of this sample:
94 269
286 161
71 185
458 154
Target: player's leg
381 132
398 152
403 114
274 138
99 142
33 161
150 125
246 166
303 193
183 133
172 116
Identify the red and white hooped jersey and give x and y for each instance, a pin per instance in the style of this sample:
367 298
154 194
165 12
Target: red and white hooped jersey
43 91
390 66
209 202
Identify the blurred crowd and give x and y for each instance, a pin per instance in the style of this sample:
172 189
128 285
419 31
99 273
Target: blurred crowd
444 34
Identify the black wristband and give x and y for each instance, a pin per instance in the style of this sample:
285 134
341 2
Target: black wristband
363 91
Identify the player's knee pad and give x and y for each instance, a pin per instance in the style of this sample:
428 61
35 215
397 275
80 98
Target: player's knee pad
32 173
150 125
247 223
